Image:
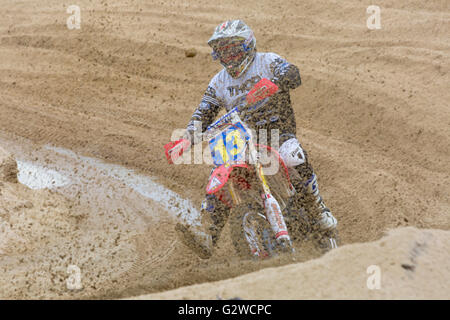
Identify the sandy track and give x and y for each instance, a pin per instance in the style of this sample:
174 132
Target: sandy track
114 225
410 263
372 111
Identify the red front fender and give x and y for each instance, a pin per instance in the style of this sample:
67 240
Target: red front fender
220 176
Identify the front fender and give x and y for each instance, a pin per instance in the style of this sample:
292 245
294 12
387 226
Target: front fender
220 175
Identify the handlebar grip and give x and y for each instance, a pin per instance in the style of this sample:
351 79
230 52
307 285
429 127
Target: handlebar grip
175 149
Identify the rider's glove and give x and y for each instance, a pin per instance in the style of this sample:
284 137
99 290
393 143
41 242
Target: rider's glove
194 132
287 78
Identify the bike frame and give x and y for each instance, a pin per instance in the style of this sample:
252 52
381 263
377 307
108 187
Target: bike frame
220 176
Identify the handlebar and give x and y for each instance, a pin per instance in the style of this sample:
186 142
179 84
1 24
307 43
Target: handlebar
223 119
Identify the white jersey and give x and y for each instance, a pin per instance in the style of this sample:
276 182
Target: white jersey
229 92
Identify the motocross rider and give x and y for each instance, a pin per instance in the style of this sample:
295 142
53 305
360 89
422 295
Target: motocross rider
234 44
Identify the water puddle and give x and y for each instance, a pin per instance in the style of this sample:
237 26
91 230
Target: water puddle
92 180
35 176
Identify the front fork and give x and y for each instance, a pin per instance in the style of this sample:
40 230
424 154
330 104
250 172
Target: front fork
271 205
274 214
275 217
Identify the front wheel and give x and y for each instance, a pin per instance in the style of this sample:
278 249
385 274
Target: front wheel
250 232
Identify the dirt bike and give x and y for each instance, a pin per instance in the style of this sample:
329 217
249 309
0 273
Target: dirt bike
263 207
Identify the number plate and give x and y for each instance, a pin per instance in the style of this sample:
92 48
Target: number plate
229 145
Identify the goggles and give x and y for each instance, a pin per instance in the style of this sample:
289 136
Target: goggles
229 52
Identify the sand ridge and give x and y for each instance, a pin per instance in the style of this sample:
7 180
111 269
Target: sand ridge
410 263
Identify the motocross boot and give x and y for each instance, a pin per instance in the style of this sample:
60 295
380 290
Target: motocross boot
325 219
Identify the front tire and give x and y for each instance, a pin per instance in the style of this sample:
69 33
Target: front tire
250 232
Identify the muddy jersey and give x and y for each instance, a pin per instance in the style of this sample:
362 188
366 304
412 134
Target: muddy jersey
227 92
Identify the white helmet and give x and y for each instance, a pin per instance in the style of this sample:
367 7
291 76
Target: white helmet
234 44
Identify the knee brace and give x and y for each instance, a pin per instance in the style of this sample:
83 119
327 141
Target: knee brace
292 153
